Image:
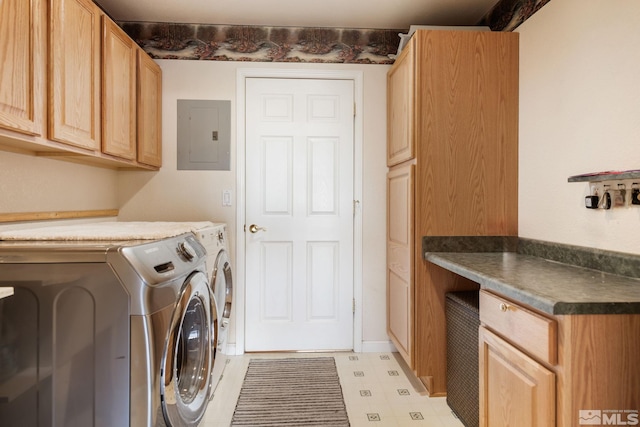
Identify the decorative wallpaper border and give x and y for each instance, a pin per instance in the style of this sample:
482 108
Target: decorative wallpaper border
296 44
507 15
264 44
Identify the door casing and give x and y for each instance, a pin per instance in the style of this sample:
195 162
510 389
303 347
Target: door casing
240 264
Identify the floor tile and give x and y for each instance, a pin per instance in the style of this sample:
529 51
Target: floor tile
376 390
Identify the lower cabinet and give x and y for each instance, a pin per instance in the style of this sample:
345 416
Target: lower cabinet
540 370
515 390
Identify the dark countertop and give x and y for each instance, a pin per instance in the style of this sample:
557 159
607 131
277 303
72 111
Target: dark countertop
550 286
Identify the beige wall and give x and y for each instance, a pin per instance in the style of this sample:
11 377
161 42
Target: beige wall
579 113
197 195
37 184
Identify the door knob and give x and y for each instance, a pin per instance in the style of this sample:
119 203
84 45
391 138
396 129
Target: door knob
254 228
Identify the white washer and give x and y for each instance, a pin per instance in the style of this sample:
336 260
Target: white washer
214 239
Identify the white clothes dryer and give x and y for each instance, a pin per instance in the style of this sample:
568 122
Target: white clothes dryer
213 237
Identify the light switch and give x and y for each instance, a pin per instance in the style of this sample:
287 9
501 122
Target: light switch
226 197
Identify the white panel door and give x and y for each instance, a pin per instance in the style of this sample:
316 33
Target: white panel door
299 214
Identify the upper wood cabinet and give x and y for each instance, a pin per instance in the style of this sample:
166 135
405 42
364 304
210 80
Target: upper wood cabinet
118 91
453 107
149 99
22 75
89 94
74 73
453 115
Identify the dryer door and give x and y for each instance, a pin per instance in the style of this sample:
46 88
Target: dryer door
188 355
223 288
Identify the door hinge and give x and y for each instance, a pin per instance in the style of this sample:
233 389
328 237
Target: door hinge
354 109
356 203
354 306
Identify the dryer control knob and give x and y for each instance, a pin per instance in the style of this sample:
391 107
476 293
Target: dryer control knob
187 252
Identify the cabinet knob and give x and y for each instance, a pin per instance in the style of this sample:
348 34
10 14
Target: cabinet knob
504 307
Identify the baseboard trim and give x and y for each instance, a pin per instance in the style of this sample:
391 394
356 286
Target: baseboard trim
366 347
378 347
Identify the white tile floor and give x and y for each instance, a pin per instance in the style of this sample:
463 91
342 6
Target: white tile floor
376 391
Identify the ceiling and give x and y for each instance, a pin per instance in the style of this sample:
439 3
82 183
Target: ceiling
383 14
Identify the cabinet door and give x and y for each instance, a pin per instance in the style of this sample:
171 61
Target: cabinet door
74 79
467 132
149 111
118 92
515 390
400 256
400 108
22 55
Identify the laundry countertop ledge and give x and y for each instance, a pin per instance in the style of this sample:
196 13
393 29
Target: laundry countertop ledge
551 286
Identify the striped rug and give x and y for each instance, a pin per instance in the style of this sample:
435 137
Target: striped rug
291 392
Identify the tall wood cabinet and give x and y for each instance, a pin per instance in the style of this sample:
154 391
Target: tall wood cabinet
22 75
452 155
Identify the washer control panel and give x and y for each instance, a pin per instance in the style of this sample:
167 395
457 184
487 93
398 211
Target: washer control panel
186 251
161 260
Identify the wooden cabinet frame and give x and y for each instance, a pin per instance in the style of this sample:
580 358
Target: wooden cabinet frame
597 364
453 113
